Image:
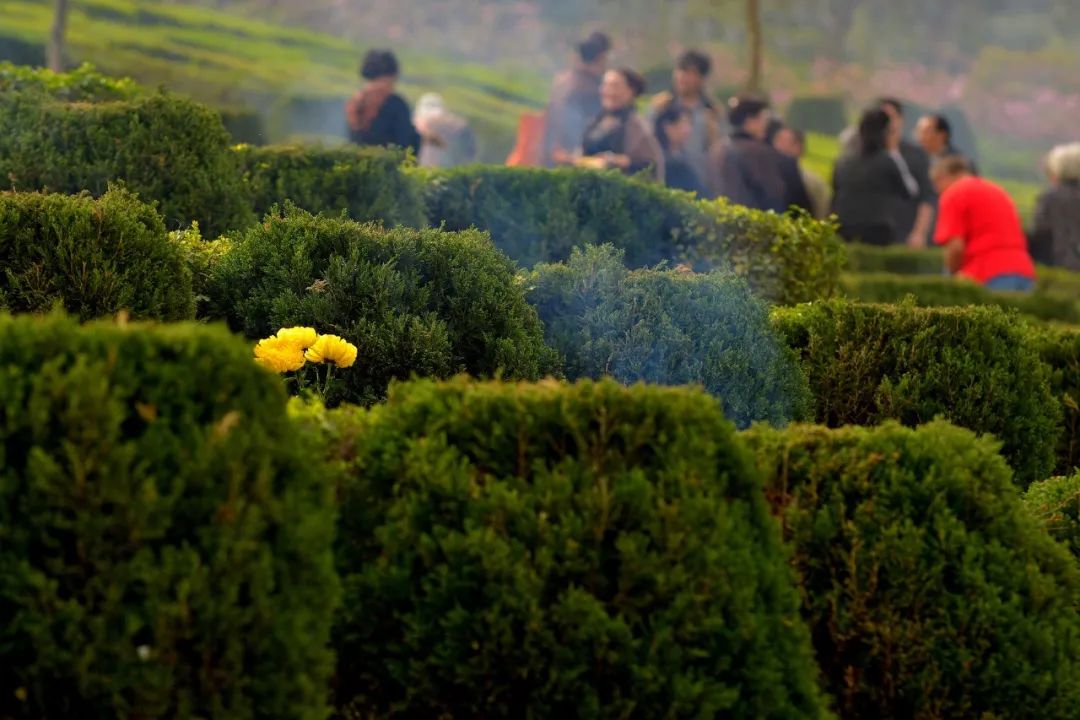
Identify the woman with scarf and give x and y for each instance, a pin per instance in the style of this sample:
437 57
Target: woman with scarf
376 114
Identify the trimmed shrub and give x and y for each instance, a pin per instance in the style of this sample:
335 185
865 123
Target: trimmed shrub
539 216
83 84
669 328
167 149
93 257
166 539
897 259
826 115
368 184
547 550
940 291
974 366
1060 349
1056 504
418 302
200 257
929 590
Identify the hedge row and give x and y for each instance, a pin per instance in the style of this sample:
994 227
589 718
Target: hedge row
540 216
668 328
166 538
1059 348
1056 504
974 366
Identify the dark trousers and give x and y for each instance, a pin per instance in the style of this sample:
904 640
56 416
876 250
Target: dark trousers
879 235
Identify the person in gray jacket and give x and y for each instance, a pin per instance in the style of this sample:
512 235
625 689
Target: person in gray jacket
1055 239
448 139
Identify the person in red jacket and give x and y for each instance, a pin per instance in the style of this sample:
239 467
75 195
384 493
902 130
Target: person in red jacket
980 229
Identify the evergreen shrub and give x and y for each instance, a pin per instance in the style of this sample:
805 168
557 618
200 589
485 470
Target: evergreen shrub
165 539
977 367
422 302
83 84
898 259
168 149
591 551
669 328
367 184
929 590
1056 504
1059 347
92 257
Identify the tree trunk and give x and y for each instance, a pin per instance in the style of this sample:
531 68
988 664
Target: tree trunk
757 45
56 37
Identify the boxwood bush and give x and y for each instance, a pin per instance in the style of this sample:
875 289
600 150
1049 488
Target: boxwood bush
1056 504
1059 347
975 366
83 84
421 302
92 257
539 216
929 590
368 184
669 328
166 542
897 259
593 551
169 150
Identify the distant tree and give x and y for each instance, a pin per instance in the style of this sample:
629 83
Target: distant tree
756 40
56 36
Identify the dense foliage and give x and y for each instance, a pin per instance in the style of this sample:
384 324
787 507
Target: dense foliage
1056 504
84 84
592 551
169 150
974 366
668 328
91 257
367 184
929 590
539 216
166 542
1060 349
421 302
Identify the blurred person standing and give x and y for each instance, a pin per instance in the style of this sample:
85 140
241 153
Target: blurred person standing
688 93
674 130
575 99
791 142
1055 238
448 141
747 170
377 115
870 184
980 229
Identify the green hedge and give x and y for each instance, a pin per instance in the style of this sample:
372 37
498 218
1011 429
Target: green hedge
669 328
1060 349
929 590
894 259
83 84
975 366
368 184
941 291
1056 504
166 542
169 150
419 302
548 550
92 257
539 216
826 114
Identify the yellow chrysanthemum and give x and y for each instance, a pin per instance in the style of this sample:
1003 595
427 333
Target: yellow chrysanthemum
279 355
332 349
301 337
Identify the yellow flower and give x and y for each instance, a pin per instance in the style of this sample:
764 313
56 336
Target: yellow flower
301 337
279 355
332 349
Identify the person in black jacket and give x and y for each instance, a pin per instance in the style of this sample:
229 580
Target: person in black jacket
376 114
673 129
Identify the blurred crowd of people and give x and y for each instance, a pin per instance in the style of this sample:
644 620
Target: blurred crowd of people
885 189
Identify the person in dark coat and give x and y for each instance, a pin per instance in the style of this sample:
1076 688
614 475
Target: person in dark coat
673 128
1055 239
749 171
575 99
376 115
689 93
869 185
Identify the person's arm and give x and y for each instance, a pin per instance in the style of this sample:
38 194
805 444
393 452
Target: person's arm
954 255
1040 241
924 220
952 230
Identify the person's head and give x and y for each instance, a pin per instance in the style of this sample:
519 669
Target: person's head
593 52
934 133
691 69
673 128
790 141
621 88
750 115
429 106
895 110
380 70
876 132
1063 164
948 170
